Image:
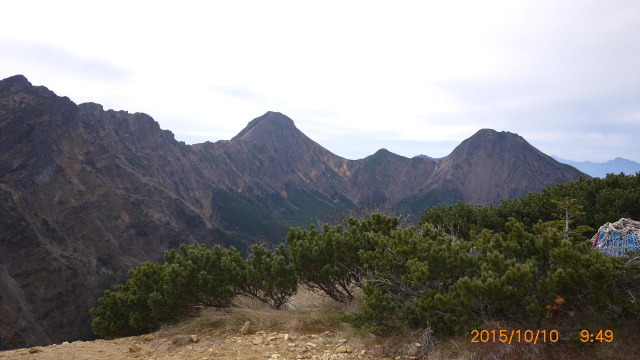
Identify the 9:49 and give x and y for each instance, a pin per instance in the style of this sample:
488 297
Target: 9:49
601 336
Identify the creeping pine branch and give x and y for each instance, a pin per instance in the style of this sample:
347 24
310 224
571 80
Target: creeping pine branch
632 260
633 298
394 283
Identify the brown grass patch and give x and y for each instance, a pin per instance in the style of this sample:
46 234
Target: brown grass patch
311 313
307 312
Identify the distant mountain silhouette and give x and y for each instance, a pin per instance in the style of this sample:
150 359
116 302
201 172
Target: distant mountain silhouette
86 194
428 157
601 169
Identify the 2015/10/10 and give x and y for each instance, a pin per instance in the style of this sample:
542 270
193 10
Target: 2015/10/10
515 336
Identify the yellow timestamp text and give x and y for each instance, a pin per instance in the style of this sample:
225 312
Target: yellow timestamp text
596 336
513 336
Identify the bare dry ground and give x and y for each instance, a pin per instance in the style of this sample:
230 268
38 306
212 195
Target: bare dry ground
261 345
310 328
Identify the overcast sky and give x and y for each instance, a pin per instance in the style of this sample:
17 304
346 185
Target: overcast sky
355 76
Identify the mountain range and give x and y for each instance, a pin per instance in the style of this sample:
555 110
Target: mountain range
88 193
601 169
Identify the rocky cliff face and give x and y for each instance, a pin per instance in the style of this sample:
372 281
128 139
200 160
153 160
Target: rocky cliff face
86 194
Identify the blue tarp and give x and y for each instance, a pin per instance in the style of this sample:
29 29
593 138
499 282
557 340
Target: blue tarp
618 238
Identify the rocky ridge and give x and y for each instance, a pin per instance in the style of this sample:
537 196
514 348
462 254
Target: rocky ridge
86 194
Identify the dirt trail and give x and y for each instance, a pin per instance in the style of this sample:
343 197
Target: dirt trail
261 345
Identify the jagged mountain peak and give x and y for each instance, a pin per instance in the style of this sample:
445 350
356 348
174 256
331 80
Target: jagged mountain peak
486 131
493 165
494 134
383 151
15 79
19 83
86 194
270 123
384 154
491 142
275 136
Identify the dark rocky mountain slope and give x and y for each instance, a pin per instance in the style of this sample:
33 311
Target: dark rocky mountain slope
86 194
491 166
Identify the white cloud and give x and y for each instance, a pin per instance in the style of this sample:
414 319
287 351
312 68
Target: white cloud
375 73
